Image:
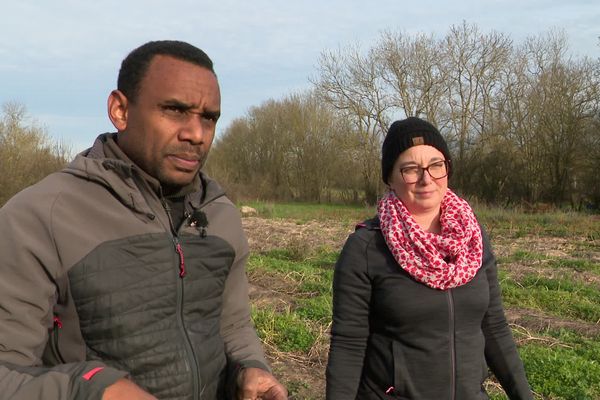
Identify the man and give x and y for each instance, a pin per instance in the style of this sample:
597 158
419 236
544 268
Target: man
122 276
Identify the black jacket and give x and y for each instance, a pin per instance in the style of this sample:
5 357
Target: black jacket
395 338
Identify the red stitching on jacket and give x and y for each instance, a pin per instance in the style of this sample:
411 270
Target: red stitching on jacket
179 251
90 374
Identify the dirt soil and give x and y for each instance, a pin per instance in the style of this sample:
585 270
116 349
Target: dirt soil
303 374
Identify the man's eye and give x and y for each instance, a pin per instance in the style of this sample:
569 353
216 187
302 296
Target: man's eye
175 109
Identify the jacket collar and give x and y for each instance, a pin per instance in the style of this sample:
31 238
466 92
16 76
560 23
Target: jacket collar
108 165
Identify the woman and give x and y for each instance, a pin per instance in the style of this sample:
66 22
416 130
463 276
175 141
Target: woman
417 312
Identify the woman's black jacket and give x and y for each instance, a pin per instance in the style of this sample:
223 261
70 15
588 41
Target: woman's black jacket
395 338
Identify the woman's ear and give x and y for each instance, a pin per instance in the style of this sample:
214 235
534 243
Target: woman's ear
117 109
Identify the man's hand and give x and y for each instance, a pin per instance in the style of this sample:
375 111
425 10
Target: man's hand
124 389
255 383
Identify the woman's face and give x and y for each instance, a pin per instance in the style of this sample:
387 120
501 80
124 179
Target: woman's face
425 195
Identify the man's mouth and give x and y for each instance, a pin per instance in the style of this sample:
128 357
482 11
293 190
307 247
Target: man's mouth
185 161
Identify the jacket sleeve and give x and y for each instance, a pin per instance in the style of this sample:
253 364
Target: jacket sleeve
28 268
500 349
350 327
242 345
243 348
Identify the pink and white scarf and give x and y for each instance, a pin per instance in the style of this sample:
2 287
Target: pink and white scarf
423 254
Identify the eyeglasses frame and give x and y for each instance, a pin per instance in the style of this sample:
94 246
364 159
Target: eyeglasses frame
423 169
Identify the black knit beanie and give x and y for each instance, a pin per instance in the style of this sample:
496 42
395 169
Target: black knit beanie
406 133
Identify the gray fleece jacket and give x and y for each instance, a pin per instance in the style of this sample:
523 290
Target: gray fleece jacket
96 285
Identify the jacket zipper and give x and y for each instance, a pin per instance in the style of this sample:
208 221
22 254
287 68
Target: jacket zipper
57 325
452 344
191 355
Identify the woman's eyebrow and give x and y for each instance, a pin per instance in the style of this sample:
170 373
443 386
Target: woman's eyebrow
431 161
407 163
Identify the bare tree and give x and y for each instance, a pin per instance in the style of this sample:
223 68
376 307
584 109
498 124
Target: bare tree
522 122
473 64
284 149
26 152
412 69
351 83
552 100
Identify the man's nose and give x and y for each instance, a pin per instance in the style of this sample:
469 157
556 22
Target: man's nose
194 130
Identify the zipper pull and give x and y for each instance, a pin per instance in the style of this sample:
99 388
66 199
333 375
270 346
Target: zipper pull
179 251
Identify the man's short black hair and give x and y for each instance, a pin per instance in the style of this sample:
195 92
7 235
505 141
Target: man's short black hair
135 65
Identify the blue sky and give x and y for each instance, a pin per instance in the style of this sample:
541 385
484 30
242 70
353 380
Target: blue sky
60 59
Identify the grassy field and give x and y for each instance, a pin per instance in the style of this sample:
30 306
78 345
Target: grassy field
549 268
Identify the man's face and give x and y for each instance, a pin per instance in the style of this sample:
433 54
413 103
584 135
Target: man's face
170 127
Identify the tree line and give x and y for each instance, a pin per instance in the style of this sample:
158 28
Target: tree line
27 154
522 121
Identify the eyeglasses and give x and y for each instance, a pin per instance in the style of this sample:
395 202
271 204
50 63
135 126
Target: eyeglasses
413 173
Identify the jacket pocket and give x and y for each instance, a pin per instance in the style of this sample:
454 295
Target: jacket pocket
368 392
400 378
